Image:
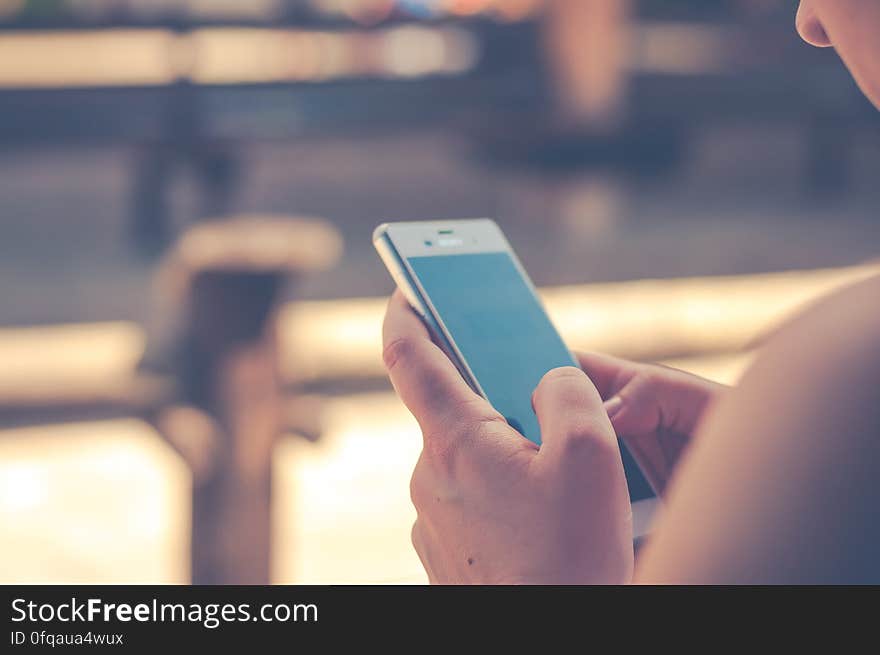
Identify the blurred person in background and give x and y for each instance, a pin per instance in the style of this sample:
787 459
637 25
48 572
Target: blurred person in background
774 481
588 46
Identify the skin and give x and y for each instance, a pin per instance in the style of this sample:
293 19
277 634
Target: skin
850 27
771 482
493 508
654 409
780 485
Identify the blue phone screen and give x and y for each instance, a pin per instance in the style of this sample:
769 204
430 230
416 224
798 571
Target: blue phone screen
503 334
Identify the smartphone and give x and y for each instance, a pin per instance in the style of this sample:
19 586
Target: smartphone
465 282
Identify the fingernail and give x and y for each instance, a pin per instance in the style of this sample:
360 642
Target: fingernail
613 406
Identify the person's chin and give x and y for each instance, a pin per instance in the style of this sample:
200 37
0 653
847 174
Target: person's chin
867 76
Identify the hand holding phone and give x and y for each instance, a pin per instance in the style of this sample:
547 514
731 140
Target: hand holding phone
492 507
475 298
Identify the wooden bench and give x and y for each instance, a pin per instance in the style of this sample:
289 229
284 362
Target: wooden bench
207 378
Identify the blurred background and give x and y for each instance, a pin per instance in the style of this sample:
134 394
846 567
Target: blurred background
190 378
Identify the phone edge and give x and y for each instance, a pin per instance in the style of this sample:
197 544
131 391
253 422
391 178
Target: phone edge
403 278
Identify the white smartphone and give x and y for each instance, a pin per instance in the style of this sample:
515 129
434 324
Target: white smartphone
465 282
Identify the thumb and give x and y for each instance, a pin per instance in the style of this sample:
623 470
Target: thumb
574 423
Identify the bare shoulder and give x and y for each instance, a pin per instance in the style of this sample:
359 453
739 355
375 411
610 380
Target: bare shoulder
823 367
791 456
834 341
855 308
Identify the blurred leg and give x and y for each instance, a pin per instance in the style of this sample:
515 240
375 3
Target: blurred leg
587 44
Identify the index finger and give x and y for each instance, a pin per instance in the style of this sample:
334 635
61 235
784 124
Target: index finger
423 376
606 372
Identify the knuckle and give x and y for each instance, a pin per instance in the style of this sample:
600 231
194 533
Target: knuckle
397 350
417 538
642 389
589 438
418 485
415 535
650 379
